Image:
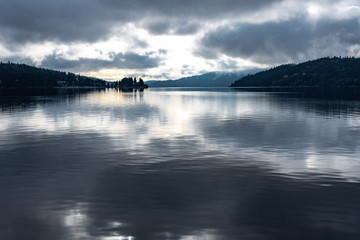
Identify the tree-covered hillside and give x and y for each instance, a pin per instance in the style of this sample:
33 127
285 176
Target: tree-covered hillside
323 72
14 75
211 79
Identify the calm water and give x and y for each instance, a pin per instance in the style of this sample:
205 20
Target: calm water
183 164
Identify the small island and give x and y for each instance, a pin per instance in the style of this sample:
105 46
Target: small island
323 72
128 84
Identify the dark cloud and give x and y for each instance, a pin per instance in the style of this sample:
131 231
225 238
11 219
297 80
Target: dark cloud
162 51
140 43
229 65
177 27
203 9
88 21
278 42
66 21
18 59
159 27
119 60
91 20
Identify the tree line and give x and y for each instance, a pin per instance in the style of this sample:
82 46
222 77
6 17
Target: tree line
13 75
323 72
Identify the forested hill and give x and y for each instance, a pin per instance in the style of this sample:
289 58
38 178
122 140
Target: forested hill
14 75
323 72
211 79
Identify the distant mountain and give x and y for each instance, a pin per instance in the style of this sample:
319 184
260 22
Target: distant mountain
14 75
323 72
211 79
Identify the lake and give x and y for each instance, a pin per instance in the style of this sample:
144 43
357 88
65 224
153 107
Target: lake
179 163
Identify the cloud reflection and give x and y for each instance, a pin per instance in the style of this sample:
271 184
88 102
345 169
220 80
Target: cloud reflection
266 127
113 165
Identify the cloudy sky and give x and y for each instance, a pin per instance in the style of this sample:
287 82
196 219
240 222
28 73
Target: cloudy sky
169 39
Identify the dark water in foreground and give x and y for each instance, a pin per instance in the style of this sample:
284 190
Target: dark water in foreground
179 164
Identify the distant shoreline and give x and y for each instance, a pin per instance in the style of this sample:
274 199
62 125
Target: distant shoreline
72 87
323 72
75 87
302 87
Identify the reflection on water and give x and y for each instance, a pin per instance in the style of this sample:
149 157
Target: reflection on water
179 164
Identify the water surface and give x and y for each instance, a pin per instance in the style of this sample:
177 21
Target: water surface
179 164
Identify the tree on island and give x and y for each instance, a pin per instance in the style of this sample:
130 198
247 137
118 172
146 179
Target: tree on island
129 83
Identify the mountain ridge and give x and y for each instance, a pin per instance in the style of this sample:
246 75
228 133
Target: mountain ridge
210 79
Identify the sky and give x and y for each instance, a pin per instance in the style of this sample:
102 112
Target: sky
166 39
